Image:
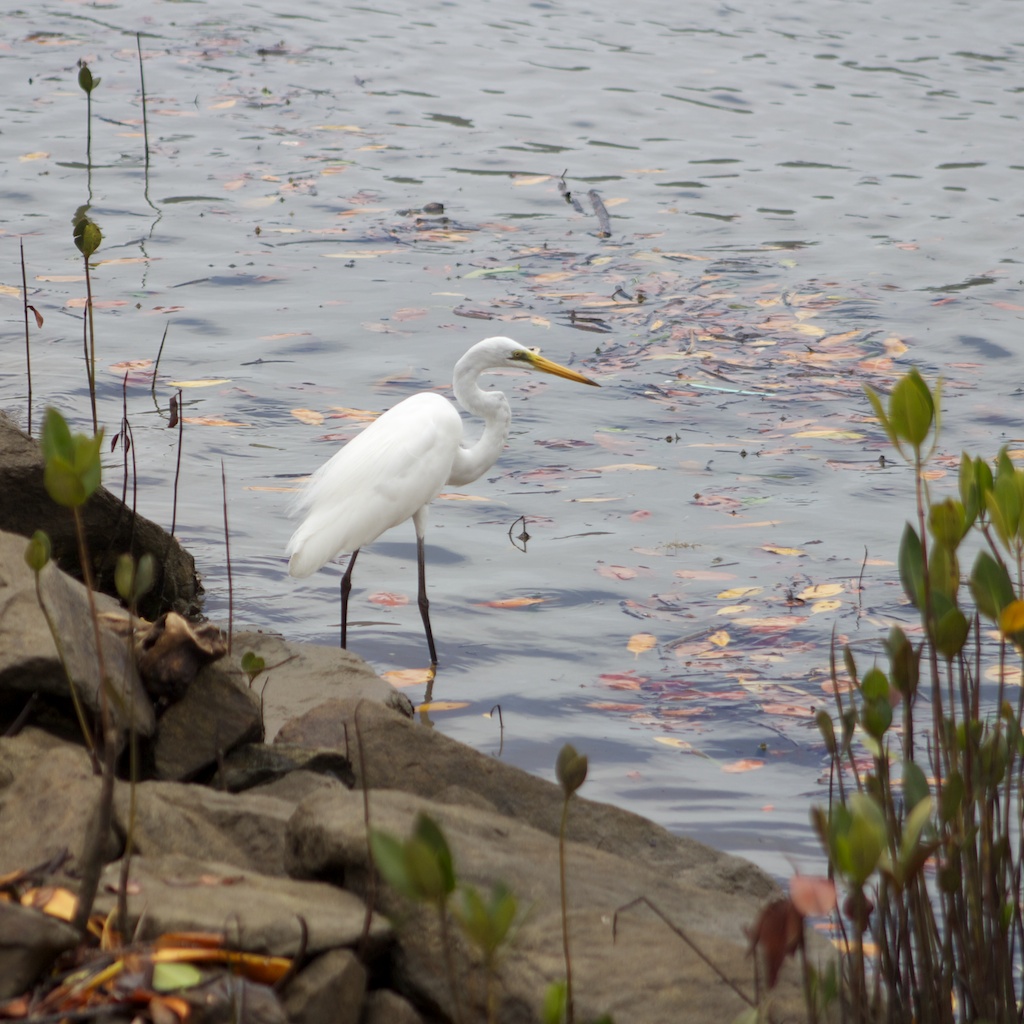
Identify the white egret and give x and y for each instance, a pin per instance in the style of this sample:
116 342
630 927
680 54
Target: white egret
400 463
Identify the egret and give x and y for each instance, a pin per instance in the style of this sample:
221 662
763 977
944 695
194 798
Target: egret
396 466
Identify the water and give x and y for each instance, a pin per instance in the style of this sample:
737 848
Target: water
803 198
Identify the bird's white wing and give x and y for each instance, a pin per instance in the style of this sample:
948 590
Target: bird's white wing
398 464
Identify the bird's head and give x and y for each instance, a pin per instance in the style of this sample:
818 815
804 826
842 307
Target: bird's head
507 352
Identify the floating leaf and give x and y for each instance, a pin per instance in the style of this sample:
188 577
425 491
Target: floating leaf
408 676
737 593
819 590
640 643
199 383
442 705
308 416
747 764
513 602
720 638
773 550
388 600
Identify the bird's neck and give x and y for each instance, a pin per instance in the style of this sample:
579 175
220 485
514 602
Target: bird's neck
492 406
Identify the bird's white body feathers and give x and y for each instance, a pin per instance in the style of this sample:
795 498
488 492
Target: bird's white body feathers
401 462
382 477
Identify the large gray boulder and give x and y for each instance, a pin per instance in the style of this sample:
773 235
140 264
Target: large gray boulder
111 529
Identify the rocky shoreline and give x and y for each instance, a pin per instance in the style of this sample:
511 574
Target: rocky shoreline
266 846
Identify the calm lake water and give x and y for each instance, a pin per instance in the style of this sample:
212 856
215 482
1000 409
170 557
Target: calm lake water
803 198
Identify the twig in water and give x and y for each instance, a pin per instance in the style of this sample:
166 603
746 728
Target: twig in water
39 323
227 554
156 368
177 420
566 194
501 727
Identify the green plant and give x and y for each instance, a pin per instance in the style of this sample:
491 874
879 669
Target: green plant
571 772
88 237
487 923
71 474
421 868
942 788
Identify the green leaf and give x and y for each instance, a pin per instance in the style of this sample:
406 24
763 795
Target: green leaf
133 580
252 664
915 785
72 468
911 409
911 562
950 630
86 81
389 857
87 236
875 685
975 483
904 662
570 769
827 730
427 831
866 837
487 923
990 585
876 404
56 438
553 1010
952 797
947 521
37 551
168 977
426 877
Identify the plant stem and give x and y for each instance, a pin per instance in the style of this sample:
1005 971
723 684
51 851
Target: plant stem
569 1012
28 351
90 345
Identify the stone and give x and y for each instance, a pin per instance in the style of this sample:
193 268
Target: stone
257 913
402 754
30 661
217 713
48 797
29 943
246 830
257 764
383 1006
326 837
329 990
111 529
299 677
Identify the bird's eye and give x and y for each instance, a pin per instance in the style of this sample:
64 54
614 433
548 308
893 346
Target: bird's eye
519 355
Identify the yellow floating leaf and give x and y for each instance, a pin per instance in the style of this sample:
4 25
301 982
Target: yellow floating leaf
830 435
623 466
825 606
408 676
773 550
513 602
894 347
748 764
593 501
720 639
199 383
814 332
733 609
534 179
32 156
59 278
10 289
640 643
356 255
338 128
468 497
443 705
222 105
818 590
604 705
1011 618
120 260
310 416
738 593
674 741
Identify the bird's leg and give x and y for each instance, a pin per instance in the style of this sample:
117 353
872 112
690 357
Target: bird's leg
346 589
422 599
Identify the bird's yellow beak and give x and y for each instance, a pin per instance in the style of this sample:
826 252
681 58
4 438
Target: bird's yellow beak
538 362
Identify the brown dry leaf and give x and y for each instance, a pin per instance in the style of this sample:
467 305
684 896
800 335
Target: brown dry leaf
467 497
790 710
408 676
388 600
827 434
620 466
338 128
308 416
720 639
513 602
59 278
600 705
52 900
341 412
25 157
443 705
256 967
778 933
96 303
747 764
617 572
212 382
773 550
408 314
641 643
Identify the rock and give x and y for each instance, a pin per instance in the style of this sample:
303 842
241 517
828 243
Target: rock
111 529
299 677
217 713
48 796
229 999
400 754
383 1006
170 653
29 658
29 943
330 990
326 836
256 764
257 913
245 830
